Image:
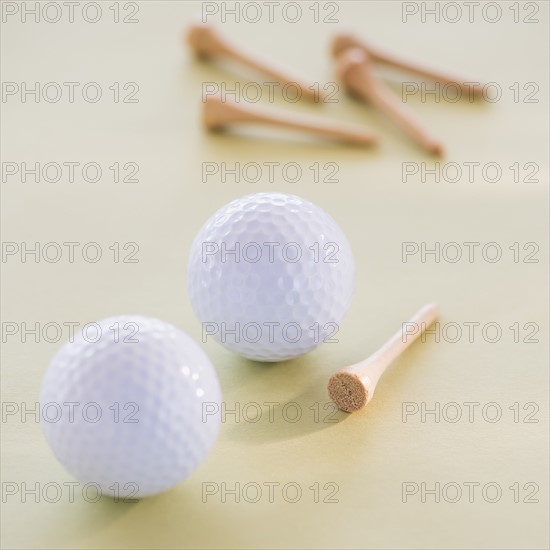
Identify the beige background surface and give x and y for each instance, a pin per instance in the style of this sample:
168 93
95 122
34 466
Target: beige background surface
368 455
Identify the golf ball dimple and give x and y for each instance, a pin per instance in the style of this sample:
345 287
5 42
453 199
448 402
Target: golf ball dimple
270 276
130 408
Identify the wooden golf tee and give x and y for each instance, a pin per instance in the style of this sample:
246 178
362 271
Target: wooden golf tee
219 114
206 42
343 41
353 387
355 69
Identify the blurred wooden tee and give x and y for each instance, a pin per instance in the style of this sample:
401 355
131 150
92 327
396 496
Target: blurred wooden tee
355 70
344 41
206 42
219 114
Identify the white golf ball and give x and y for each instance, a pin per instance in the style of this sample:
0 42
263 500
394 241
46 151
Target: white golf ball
270 276
128 406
